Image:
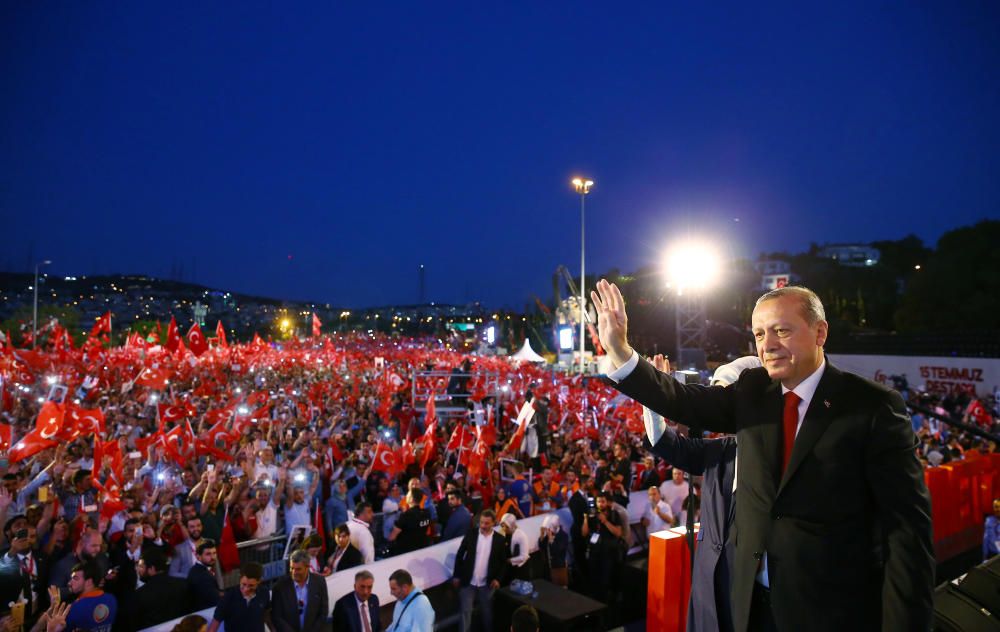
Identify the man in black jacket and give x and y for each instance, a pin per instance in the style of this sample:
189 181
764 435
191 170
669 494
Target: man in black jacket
201 578
299 601
828 476
349 609
479 563
162 597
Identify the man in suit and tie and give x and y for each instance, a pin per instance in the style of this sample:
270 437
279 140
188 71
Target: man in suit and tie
299 601
833 523
479 564
358 611
186 552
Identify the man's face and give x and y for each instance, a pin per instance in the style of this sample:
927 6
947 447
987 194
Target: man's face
11 486
788 347
570 478
342 539
619 451
188 512
399 591
678 476
602 503
248 587
208 557
169 516
298 495
76 583
91 546
363 588
367 515
453 501
299 572
654 496
486 525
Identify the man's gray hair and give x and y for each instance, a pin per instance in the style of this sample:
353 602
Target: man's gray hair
299 557
812 307
361 575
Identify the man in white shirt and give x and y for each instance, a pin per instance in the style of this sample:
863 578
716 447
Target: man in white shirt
658 515
361 532
479 564
675 491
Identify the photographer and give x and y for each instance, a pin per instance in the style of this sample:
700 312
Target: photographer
603 532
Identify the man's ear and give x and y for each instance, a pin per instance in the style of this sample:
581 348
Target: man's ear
822 330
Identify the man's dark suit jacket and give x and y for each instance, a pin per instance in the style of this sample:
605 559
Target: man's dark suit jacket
160 599
346 617
285 605
710 607
350 559
853 486
204 587
465 559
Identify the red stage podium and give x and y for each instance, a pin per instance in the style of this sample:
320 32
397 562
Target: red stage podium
669 581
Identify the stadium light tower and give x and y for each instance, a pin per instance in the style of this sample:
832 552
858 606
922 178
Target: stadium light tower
582 186
692 268
34 313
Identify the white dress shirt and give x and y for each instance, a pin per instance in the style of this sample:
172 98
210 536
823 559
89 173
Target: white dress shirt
519 542
484 546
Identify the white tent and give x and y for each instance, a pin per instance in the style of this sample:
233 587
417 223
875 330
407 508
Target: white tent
527 353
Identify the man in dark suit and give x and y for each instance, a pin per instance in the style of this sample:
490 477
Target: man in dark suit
827 474
358 611
201 578
299 601
709 607
161 597
479 564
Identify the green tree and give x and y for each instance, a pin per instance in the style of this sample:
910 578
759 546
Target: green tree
958 287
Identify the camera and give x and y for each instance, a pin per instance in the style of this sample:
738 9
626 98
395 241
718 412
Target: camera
591 506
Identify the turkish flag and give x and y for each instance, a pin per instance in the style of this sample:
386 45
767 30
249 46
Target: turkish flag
173 336
218 437
405 456
88 421
137 341
460 438
50 420
5 436
29 445
154 378
170 413
196 340
220 335
103 324
977 412
142 443
316 325
180 443
527 411
487 434
477 460
429 441
201 448
385 460
229 554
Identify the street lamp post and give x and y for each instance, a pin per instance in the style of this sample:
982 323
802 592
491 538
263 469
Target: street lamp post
34 313
583 188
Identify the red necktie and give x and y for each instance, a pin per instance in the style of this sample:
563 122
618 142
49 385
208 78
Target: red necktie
789 422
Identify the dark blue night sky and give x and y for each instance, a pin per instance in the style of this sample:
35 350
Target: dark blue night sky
364 139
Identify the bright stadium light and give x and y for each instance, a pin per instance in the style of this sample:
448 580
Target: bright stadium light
692 265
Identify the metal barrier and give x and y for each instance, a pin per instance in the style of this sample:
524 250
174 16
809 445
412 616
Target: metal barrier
268 552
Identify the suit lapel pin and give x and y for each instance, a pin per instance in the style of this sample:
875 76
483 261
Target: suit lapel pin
826 403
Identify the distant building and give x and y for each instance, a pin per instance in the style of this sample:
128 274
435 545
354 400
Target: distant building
774 273
857 255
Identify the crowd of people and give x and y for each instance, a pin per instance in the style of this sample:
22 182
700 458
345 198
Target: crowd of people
132 474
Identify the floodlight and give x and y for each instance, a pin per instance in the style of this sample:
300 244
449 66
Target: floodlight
692 265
